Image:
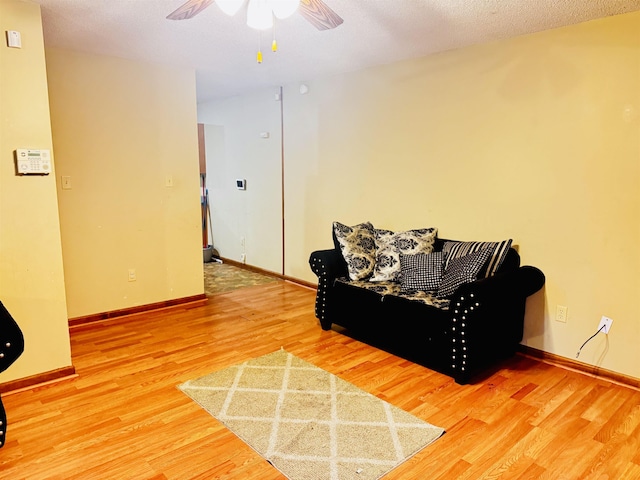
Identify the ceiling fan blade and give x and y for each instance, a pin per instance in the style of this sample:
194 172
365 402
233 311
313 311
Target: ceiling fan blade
189 9
319 14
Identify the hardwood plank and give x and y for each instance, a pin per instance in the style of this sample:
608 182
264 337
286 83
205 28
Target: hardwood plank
122 416
534 472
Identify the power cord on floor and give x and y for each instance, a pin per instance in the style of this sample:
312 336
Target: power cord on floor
589 339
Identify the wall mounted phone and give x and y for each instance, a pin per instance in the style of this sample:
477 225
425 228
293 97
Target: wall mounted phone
33 162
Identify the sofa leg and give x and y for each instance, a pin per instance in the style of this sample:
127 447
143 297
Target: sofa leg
325 325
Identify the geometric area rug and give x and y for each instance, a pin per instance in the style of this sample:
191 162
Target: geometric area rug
308 423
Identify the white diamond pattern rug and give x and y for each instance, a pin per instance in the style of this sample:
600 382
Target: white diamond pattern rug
308 423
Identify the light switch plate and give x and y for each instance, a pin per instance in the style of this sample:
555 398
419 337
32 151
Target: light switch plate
13 39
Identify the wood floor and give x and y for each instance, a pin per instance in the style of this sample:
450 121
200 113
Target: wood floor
122 417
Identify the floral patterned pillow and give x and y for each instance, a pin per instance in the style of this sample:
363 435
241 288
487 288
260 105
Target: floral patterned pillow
358 248
390 245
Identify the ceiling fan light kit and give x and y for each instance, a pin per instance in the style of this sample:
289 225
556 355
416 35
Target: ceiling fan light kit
230 7
284 8
260 13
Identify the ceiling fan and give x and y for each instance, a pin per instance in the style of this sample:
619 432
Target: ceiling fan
314 11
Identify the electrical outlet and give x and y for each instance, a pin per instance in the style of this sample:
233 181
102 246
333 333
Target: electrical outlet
132 274
243 258
561 313
606 323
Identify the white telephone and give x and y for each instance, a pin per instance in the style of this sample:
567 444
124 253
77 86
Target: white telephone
33 162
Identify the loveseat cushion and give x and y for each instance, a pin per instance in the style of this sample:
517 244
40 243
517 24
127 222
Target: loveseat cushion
358 248
390 245
462 270
421 271
498 253
393 289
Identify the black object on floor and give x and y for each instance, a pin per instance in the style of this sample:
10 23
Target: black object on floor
11 347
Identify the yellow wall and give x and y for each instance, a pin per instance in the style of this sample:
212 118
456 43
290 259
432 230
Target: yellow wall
31 271
535 138
122 130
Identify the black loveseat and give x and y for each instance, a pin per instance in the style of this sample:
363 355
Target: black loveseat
474 328
11 347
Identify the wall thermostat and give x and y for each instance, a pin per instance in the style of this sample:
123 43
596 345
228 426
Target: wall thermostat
33 162
241 184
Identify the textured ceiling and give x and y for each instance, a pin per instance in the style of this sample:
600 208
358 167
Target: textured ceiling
222 49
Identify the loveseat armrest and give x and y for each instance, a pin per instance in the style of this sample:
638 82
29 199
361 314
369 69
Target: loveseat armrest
521 282
487 319
530 280
329 263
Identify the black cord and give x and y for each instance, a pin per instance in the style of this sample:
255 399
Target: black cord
588 339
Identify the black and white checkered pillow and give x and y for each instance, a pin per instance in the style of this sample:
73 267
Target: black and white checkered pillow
462 270
422 271
498 251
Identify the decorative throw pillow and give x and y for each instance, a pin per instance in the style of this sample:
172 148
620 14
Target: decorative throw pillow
462 270
390 245
498 251
422 271
358 248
